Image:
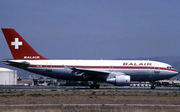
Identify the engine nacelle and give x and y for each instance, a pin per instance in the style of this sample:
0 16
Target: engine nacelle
119 80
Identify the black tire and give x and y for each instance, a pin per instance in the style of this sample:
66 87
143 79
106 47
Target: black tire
152 87
92 86
97 86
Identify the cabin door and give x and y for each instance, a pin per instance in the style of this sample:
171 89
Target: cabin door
49 66
156 68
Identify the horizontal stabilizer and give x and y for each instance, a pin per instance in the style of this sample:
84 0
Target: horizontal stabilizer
22 65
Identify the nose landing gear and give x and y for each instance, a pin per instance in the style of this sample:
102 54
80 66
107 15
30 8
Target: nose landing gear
153 85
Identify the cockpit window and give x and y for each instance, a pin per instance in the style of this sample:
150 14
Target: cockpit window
169 67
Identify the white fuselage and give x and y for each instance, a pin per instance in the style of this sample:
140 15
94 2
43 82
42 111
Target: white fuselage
138 70
117 72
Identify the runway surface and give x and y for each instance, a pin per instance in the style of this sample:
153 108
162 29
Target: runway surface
86 88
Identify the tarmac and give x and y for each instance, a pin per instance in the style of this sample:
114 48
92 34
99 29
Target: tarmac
86 88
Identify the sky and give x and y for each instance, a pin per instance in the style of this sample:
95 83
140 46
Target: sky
94 29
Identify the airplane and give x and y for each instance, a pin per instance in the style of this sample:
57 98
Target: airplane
117 72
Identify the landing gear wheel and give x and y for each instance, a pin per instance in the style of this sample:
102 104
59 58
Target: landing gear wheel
91 86
94 86
97 86
152 87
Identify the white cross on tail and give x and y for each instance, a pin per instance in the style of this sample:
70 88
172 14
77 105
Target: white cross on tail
16 43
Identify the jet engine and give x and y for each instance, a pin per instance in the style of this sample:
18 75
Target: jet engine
119 80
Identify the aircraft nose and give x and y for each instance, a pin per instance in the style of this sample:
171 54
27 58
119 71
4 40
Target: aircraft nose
177 72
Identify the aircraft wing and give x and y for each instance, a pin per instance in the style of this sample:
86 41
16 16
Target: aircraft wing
87 73
86 70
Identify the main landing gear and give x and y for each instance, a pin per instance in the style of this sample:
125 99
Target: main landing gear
94 85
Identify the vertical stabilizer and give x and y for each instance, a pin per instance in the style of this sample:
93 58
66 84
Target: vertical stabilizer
20 49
